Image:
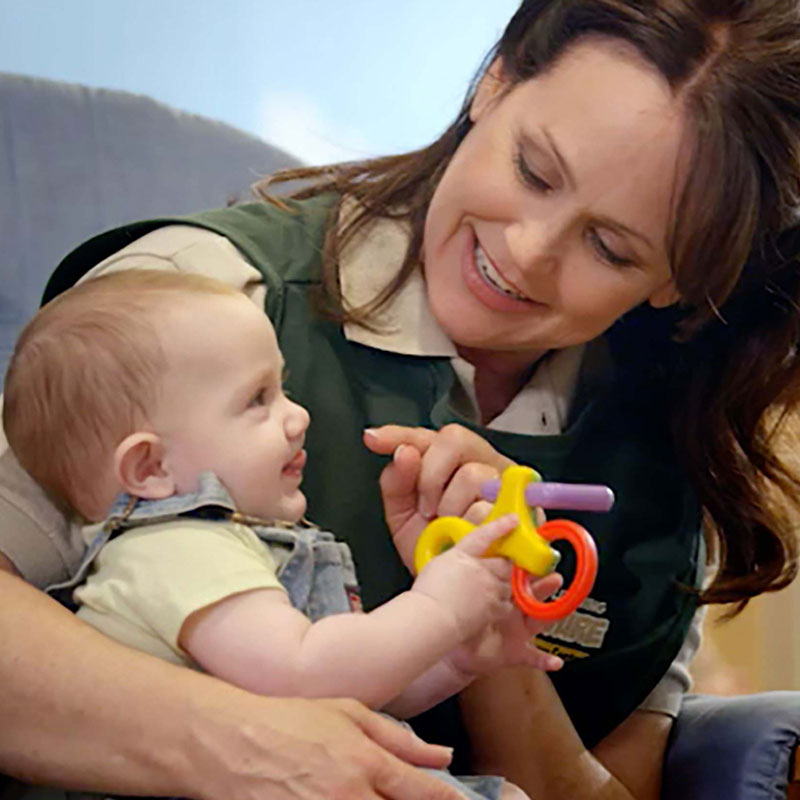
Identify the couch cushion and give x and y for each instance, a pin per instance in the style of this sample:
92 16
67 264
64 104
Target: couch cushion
75 161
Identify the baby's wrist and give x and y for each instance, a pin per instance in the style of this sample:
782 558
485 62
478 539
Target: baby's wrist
459 662
442 613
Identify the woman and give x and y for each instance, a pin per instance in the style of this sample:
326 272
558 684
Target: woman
595 269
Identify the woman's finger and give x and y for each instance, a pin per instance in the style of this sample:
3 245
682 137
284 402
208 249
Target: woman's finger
398 484
477 512
452 448
398 739
387 438
443 453
463 491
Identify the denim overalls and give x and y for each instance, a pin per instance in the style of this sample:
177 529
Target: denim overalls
317 571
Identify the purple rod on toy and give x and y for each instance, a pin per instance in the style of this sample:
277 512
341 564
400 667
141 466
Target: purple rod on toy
567 496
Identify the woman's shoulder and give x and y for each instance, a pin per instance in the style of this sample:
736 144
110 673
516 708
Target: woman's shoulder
225 243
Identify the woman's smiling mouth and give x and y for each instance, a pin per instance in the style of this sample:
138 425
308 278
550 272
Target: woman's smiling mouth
492 276
487 285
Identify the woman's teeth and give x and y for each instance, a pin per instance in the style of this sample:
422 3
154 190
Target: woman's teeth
488 271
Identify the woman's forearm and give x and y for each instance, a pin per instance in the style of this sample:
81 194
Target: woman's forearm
519 728
80 710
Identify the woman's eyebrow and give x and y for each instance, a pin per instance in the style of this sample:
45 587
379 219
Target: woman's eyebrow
569 175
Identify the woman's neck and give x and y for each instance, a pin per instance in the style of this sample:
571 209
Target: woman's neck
499 376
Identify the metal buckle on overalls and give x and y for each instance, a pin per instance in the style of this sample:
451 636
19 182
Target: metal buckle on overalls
113 524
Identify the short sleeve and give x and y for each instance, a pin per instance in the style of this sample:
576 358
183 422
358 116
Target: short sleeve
666 697
187 248
151 579
35 536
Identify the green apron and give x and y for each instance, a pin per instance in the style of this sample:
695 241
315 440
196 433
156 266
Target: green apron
621 642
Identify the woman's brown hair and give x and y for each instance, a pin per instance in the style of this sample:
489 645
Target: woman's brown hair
727 360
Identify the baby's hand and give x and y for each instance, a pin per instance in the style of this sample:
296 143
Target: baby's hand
510 641
475 590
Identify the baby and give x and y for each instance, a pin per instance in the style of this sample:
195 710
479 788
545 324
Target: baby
151 404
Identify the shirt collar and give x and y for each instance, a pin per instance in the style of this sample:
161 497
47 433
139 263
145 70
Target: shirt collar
405 324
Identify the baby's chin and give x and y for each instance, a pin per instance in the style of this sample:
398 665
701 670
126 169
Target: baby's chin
290 508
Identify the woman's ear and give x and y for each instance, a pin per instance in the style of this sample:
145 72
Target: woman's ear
489 88
139 467
665 295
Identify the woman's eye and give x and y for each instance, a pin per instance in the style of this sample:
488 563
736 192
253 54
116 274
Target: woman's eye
529 177
605 252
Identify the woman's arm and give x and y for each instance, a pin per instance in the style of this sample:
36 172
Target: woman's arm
519 729
82 711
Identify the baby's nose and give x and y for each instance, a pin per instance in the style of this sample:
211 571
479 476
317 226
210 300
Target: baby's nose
297 420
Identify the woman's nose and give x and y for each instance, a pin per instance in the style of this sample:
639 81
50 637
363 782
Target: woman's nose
533 246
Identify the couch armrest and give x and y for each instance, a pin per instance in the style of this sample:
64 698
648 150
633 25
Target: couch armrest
733 748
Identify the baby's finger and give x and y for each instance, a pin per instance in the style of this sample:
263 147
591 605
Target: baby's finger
543 588
538 659
477 542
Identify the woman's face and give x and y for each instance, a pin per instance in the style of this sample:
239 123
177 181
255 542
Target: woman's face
551 220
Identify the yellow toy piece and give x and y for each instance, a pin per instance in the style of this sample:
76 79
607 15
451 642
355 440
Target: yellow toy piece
524 546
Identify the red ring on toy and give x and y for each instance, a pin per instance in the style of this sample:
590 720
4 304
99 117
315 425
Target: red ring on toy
585 573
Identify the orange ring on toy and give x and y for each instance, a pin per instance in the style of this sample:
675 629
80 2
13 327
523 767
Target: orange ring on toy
585 573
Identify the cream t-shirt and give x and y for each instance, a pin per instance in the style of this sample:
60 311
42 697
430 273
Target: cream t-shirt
146 582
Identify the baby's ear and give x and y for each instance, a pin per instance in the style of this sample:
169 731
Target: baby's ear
139 467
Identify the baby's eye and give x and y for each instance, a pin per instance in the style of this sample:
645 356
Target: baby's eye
258 399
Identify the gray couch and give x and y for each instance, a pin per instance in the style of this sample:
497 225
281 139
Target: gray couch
74 161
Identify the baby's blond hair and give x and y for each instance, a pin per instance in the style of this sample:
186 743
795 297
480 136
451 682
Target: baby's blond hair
85 374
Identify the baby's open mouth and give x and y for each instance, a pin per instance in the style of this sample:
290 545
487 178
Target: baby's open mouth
295 466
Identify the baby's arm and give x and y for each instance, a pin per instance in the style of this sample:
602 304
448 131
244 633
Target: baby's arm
504 643
256 640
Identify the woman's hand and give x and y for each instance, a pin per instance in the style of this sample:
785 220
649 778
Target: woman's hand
433 473
324 750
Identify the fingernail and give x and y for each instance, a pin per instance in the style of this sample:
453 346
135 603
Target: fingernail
370 432
397 451
424 509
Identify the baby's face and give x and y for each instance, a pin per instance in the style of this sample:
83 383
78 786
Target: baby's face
222 407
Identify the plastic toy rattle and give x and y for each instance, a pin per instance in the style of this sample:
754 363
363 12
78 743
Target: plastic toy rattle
527 546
